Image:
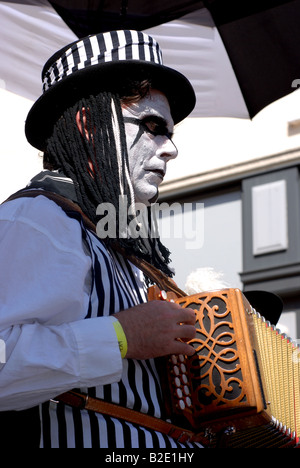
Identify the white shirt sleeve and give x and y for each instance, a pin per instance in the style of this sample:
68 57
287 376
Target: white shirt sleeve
44 296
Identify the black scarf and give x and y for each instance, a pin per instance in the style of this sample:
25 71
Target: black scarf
54 181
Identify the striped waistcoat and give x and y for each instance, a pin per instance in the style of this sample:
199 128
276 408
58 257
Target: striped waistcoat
116 285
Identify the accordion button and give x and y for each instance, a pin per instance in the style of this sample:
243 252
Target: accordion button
177 382
181 358
184 378
183 368
179 393
176 370
186 390
181 404
188 402
174 359
163 295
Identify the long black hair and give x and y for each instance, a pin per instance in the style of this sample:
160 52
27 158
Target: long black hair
96 160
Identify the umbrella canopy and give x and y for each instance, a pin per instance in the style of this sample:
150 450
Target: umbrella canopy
239 56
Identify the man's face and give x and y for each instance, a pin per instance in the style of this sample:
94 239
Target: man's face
149 128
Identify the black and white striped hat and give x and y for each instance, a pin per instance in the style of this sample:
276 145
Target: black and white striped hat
104 61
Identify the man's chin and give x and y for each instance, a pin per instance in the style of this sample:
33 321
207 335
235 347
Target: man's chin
147 201
153 199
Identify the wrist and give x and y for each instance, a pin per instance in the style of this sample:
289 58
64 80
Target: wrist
121 337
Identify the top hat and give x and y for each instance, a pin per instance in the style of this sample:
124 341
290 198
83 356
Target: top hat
103 62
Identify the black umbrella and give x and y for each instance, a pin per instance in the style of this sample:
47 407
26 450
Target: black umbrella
87 17
240 56
261 38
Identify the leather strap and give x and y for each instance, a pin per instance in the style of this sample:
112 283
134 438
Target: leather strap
85 402
156 276
63 202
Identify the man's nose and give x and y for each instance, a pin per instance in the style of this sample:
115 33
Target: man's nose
169 149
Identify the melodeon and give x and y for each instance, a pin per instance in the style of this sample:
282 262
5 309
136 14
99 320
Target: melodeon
241 389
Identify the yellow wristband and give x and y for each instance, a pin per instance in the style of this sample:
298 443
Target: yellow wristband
121 337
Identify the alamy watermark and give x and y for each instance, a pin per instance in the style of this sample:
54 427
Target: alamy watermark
183 221
2 352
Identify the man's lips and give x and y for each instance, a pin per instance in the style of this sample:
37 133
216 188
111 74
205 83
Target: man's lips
159 172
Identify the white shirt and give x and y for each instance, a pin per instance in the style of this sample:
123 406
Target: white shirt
50 348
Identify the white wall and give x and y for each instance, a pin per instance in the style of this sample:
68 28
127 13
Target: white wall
206 144
19 161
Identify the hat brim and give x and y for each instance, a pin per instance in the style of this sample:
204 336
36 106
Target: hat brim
268 304
110 76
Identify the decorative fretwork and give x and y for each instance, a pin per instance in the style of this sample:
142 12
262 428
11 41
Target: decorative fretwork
216 368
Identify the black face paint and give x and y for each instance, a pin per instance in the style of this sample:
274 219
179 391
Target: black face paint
141 129
154 125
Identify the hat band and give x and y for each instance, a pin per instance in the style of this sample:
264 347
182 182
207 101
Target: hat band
97 49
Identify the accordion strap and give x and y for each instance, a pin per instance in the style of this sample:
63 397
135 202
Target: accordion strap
157 276
83 401
66 204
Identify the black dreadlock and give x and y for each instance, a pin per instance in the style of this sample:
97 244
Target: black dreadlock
97 162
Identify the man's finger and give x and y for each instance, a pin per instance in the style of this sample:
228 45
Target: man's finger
187 316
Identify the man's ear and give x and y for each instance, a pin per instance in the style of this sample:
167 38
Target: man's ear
82 128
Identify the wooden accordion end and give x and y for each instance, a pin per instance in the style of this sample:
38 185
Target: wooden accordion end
241 389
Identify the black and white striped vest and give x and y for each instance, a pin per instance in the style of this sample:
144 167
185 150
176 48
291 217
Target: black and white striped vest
116 285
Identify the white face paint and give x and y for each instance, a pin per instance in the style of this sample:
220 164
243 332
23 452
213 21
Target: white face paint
149 127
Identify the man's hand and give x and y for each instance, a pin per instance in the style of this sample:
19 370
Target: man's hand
157 328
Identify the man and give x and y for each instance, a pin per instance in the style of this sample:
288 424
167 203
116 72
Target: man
73 310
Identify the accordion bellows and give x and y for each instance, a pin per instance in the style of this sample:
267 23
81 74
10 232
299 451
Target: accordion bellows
241 388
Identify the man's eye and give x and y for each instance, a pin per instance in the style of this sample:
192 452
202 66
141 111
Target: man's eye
155 128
